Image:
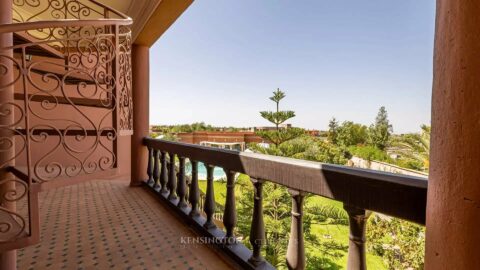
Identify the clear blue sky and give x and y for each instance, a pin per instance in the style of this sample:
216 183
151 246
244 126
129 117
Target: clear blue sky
222 59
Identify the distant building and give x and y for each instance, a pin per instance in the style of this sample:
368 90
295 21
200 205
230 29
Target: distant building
283 126
221 139
311 132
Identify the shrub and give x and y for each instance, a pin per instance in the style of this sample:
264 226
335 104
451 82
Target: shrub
369 153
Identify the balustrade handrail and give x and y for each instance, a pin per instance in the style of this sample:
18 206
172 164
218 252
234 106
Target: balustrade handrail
400 196
359 189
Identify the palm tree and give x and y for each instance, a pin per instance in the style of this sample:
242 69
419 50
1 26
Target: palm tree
414 146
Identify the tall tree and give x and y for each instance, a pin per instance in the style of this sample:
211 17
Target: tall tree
278 117
279 136
379 133
277 212
333 130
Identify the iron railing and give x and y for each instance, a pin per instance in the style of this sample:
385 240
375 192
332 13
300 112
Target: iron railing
67 71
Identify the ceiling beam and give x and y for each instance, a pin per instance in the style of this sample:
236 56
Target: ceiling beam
166 13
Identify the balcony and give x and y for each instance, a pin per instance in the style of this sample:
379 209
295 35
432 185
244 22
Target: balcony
64 205
108 224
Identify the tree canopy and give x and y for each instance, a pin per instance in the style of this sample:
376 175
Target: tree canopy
414 147
380 131
291 142
333 130
307 148
350 133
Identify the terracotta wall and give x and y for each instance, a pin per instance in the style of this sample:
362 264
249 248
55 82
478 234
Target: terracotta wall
225 137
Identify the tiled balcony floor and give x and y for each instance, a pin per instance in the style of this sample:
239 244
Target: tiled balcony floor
104 224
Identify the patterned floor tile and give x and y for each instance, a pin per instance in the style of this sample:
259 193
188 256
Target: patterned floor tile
104 224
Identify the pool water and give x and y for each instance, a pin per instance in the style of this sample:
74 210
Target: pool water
218 172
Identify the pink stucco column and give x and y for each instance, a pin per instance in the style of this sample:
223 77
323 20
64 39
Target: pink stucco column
453 208
140 70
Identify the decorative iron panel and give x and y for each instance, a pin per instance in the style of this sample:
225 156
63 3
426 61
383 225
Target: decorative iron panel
66 97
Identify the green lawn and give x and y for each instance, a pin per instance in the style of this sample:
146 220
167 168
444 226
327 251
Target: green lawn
219 187
340 233
327 231
318 200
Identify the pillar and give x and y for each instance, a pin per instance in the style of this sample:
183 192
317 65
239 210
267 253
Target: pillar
453 206
7 259
140 96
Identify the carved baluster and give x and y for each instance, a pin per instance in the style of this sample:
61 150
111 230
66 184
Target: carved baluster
164 173
296 247
230 212
194 193
257 229
356 246
182 185
149 166
202 202
172 178
188 182
156 169
209 199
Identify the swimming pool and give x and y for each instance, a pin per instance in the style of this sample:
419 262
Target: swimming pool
218 172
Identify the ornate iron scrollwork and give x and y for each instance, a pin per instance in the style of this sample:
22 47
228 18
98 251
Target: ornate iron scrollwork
72 97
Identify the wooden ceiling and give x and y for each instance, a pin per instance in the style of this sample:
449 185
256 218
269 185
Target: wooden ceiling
151 18
139 10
